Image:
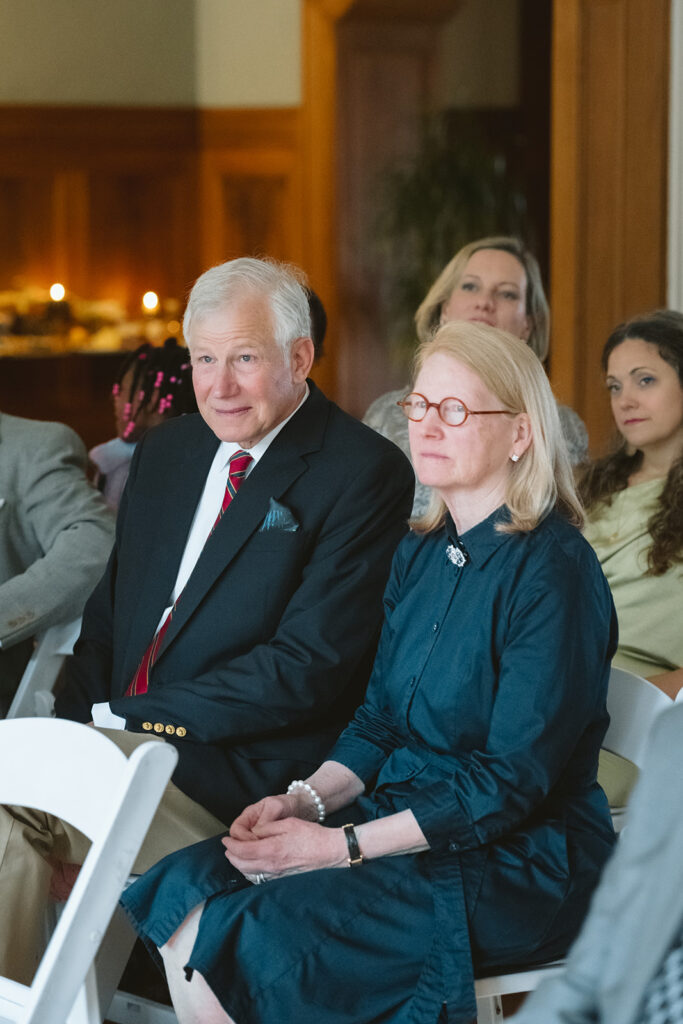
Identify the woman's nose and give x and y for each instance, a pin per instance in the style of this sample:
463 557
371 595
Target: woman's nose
432 422
485 299
627 398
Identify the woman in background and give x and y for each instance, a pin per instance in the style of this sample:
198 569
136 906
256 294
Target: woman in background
634 502
464 824
494 281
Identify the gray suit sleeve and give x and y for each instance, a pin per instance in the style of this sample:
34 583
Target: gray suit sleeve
614 957
61 530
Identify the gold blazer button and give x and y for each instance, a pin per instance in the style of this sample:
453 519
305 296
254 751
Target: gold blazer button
181 731
146 726
170 729
158 727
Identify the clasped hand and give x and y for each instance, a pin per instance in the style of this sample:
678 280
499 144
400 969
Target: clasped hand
269 839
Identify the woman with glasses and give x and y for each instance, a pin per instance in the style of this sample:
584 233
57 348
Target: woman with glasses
495 281
457 823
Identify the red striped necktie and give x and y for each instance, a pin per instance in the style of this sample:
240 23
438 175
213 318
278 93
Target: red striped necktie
237 468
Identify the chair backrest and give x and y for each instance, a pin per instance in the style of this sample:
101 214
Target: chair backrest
83 777
633 704
34 693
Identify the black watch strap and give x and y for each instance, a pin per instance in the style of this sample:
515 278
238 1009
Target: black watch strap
355 856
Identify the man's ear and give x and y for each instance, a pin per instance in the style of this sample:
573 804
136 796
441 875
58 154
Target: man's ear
302 354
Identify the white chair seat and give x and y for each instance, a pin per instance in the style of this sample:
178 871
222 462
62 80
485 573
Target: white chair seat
633 704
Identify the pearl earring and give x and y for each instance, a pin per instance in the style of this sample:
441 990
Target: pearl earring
514 458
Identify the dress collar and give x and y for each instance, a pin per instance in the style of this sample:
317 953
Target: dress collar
480 541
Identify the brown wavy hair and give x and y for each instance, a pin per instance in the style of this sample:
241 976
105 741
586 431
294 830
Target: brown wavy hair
605 477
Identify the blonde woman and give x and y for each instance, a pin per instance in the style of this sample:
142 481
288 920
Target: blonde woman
494 281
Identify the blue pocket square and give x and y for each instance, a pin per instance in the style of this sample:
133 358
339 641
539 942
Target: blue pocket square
279 518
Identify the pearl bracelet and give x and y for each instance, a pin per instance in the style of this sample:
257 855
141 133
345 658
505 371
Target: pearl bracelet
319 805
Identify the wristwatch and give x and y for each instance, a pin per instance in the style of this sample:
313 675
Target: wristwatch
355 856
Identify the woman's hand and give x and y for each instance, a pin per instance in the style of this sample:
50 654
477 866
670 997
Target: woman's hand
669 682
271 808
285 846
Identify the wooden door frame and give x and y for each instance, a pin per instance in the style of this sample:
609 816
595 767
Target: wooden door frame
318 140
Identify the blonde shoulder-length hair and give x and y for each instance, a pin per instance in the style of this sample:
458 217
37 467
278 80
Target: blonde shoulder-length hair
542 479
428 314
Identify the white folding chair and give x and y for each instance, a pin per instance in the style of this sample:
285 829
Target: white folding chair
34 695
633 704
77 774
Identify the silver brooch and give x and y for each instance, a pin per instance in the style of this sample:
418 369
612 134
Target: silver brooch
455 555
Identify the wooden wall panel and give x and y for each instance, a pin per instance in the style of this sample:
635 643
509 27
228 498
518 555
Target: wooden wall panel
26 229
114 201
384 79
104 200
608 189
250 184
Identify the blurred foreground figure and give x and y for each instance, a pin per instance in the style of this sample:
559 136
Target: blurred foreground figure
626 967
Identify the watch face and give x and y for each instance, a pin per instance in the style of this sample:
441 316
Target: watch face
355 856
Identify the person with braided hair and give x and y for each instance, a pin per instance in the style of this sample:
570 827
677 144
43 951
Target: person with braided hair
634 502
153 384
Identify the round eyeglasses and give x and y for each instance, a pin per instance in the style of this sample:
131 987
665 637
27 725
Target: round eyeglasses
452 411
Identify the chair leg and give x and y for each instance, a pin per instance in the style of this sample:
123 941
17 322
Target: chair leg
112 957
86 1009
489 1010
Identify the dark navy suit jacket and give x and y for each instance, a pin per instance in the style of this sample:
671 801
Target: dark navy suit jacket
270 647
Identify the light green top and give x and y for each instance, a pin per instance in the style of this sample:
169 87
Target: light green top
649 608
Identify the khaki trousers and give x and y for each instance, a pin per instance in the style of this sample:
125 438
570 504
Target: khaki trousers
29 837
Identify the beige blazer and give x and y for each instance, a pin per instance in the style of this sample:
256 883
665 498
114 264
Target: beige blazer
637 909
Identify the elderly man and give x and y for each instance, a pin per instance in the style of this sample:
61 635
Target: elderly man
239 613
55 537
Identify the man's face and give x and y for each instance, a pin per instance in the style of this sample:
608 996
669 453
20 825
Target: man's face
245 384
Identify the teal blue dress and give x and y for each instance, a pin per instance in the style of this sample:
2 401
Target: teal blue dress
484 715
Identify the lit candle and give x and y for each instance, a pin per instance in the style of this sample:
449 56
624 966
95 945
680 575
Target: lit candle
150 302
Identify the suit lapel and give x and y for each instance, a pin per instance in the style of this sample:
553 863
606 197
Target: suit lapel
282 464
180 485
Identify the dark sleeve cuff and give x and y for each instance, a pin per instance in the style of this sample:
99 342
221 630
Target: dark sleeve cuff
442 818
364 759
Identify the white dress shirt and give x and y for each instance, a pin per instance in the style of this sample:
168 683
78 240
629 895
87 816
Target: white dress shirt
204 518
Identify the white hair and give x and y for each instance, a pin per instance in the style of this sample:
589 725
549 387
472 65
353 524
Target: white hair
280 284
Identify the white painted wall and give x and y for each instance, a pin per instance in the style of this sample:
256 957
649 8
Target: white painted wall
128 52
478 63
249 53
215 53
